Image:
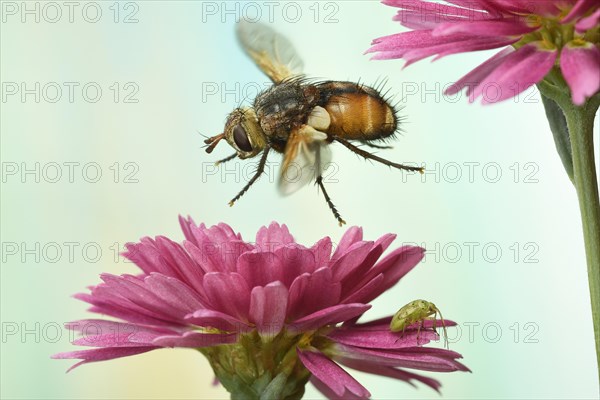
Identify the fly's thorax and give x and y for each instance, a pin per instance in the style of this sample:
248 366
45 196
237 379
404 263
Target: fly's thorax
284 107
243 132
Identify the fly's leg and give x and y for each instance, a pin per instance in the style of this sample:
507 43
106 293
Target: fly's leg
369 156
329 202
257 174
375 146
224 160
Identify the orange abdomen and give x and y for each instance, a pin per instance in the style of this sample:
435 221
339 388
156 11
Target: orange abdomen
358 112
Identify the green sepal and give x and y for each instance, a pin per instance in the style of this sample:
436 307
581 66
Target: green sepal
558 126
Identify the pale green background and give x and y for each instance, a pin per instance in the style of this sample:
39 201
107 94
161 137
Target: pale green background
170 53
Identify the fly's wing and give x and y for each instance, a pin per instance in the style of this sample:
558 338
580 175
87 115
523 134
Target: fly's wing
271 52
306 155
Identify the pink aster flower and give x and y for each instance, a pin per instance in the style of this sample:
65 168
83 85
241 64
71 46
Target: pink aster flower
537 37
552 43
269 315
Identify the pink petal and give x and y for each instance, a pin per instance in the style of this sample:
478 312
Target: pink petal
399 43
383 324
384 339
473 78
331 374
416 20
267 308
445 49
187 225
103 326
580 8
187 269
522 8
423 358
467 5
322 252
312 292
260 268
352 259
295 261
588 22
392 372
328 316
394 266
102 354
125 311
427 15
493 27
491 6
217 257
228 293
219 233
135 291
174 292
147 256
359 294
196 339
329 394
275 235
518 71
353 283
218 320
216 249
581 68
102 333
352 235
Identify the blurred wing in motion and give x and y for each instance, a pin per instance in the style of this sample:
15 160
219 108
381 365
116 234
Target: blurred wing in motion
272 52
306 155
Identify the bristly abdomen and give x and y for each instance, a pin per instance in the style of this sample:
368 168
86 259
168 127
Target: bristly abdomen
357 112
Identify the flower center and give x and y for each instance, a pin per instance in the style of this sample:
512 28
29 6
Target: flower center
552 34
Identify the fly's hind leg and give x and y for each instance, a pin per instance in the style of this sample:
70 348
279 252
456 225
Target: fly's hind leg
375 146
329 202
369 156
257 174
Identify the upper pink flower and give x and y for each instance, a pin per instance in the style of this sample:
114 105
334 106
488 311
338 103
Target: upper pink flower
540 35
216 289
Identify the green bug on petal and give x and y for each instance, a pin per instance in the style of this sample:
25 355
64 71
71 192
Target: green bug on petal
417 311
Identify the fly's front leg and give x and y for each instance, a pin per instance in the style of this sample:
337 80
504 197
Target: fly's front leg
257 174
224 160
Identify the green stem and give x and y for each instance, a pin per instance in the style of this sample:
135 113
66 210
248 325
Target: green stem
580 121
580 125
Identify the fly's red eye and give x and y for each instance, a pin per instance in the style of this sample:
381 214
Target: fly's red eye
241 138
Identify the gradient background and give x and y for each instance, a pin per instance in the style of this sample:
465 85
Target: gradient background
528 310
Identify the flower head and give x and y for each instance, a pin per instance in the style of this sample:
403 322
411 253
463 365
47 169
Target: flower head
540 38
268 315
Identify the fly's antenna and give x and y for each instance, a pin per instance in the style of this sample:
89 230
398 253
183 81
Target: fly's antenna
202 134
212 142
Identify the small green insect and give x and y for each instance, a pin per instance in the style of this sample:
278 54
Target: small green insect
417 311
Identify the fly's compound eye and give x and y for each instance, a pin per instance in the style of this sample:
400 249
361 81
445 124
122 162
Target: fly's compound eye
241 139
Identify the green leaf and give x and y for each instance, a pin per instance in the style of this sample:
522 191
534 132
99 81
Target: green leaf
558 126
275 387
